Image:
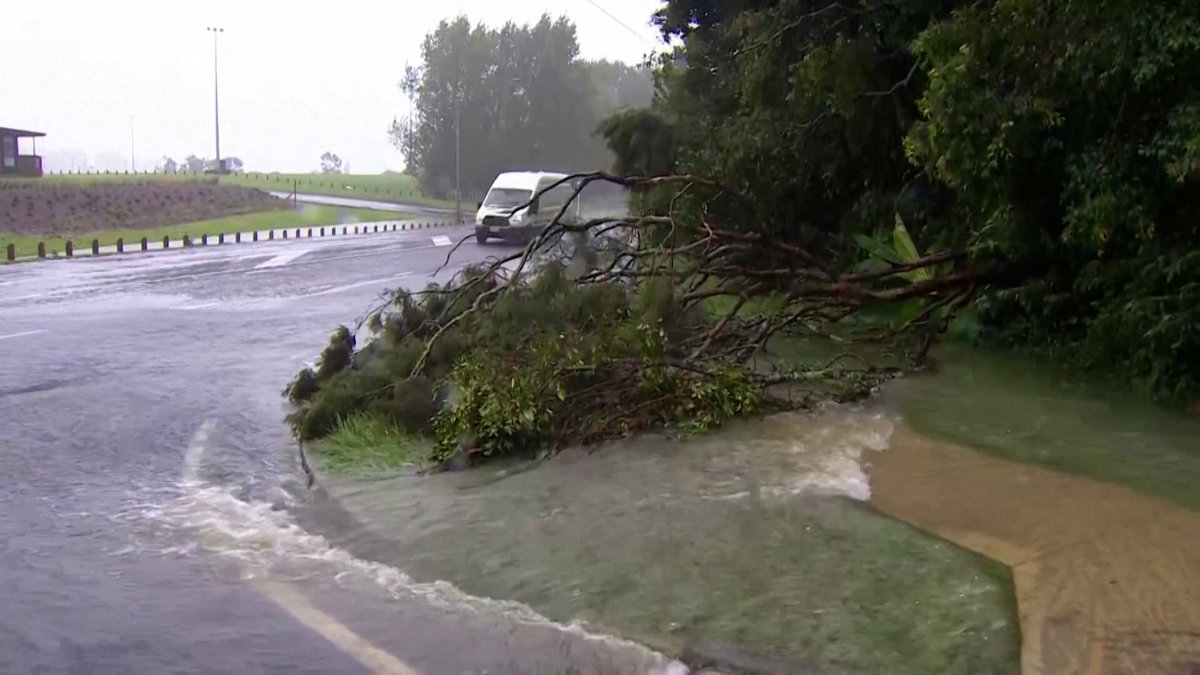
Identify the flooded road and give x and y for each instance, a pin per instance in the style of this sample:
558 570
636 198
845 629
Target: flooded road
152 520
149 516
763 545
751 548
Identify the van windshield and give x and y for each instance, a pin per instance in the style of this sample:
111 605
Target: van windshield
507 198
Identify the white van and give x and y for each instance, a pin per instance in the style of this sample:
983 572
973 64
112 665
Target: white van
510 212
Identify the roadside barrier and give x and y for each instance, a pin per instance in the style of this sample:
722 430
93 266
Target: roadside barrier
94 248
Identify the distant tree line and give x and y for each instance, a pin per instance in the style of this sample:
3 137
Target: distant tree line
521 98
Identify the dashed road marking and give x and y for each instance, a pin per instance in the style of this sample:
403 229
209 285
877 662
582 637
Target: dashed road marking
17 335
280 260
442 240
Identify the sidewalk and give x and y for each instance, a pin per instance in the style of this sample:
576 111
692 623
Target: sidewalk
1107 580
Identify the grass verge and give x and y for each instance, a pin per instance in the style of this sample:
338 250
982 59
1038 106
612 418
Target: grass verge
1028 410
396 188
364 444
386 187
309 216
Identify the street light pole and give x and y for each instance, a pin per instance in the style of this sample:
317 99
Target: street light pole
457 160
132 155
216 97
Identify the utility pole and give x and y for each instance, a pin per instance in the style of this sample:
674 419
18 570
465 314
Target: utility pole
457 160
216 97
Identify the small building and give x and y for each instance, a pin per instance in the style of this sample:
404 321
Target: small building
12 161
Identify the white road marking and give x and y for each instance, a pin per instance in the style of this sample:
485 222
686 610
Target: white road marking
280 260
339 289
288 598
7 283
17 335
331 629
190 476
442 240
204 306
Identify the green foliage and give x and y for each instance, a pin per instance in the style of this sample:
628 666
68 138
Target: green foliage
1073 159
364 442
642 142
541 365
1056 142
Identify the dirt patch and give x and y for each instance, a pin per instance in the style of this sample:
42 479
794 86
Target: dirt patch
1106 578
74 209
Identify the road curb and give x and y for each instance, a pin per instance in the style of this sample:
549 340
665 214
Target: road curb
94 249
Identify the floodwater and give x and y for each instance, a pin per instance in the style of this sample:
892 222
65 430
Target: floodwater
750 549
821 542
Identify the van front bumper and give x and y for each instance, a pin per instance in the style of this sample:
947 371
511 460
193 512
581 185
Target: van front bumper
505 232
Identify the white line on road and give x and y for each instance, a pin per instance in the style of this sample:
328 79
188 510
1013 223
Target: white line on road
190 476
280 260
368 282
204 306
17 335
442 240
288 598
331 629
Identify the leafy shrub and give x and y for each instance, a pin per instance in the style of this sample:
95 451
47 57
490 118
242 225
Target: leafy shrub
541 365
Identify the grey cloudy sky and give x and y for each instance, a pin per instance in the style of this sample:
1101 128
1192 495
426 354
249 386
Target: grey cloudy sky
297 77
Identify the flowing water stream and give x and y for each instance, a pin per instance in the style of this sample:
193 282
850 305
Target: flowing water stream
765 547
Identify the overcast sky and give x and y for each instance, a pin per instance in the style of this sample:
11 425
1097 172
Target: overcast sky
297 77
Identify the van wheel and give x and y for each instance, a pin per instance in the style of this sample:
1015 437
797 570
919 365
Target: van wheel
481 238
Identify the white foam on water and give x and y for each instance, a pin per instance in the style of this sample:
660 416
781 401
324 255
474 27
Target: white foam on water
263 540
815 453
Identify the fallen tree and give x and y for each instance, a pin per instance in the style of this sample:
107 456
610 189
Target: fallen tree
615 325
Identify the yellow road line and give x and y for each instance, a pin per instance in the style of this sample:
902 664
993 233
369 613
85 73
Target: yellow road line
331 629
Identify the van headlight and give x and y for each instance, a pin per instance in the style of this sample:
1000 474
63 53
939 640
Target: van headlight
517 217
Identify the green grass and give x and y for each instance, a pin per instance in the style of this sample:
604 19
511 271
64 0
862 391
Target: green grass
1036 411
381 187
364 444
389 187
308 216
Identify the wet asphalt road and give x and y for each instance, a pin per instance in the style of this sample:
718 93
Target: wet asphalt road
354 202
111 562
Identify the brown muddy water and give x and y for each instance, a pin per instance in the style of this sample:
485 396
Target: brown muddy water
842 540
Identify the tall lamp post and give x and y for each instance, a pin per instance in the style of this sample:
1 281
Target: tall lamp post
216 98
457 160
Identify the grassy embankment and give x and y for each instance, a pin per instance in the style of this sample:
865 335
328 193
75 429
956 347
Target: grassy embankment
313 216
384 187
388 187
81 209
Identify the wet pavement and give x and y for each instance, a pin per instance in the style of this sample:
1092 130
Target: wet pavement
354 202
150 512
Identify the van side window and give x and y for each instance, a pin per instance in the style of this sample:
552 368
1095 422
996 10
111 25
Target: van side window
554 199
